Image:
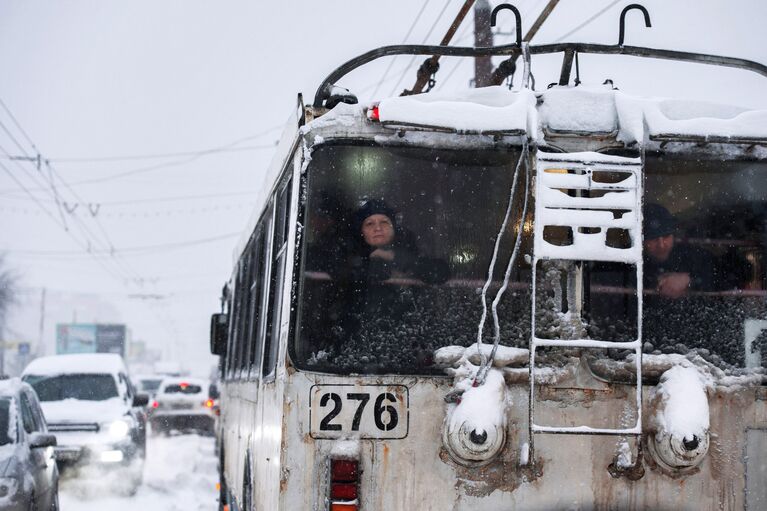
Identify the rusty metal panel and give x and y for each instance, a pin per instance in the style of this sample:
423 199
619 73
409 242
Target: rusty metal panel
756 469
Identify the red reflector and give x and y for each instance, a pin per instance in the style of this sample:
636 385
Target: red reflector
373 114
343 471
155 404
343 491
335 506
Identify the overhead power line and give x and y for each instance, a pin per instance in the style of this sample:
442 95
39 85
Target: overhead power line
139 249
404 40
588 21
177 198
428 34
193 156
100 159
153 156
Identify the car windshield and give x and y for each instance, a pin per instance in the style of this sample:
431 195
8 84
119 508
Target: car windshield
7 421
150 385
399 241
84 387
182 388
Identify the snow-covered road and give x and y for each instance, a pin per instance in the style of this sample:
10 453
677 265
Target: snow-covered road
180 474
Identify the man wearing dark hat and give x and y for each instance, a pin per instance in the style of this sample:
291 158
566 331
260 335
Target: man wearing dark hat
672 269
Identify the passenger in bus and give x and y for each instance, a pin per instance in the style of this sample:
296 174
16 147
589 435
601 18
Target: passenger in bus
328 242
387 250
671 268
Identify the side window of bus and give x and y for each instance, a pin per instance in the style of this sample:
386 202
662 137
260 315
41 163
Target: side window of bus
227 369
279 249
704 251
255 291
236 329
246 319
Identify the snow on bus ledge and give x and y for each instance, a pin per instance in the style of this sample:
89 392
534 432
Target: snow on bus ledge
587 109
505 355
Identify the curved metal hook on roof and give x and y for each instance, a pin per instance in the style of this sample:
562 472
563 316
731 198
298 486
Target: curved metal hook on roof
517 18
323 91
623 20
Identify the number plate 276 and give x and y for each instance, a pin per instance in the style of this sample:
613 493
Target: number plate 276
359 411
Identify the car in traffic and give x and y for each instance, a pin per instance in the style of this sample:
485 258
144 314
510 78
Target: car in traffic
185 405
148 383
29 478
95 411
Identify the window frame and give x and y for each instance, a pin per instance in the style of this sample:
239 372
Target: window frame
283 200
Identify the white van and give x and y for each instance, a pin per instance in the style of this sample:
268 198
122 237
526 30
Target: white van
93 408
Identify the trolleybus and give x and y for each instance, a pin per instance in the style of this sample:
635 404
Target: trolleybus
527 298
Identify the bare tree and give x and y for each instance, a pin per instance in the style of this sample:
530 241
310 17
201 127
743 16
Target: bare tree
7 290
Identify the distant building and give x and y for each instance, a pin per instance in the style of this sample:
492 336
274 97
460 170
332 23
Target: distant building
91 338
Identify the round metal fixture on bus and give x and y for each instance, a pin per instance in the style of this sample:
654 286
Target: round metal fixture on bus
471 446
678 454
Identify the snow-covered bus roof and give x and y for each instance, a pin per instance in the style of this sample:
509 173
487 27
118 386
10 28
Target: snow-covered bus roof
80 363
598 110
445 119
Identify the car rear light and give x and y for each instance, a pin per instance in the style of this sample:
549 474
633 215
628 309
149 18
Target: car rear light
155 404
183 385
208 403
373 114
344 484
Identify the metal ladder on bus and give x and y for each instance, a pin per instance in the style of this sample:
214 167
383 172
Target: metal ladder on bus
589 218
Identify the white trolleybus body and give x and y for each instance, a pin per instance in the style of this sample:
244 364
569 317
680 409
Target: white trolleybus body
396 236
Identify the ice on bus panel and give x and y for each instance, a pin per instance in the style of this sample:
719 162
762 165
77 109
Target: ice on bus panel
613 246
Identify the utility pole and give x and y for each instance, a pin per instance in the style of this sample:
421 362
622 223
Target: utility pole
40 337
483 37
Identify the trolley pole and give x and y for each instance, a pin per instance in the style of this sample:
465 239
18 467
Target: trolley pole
483 37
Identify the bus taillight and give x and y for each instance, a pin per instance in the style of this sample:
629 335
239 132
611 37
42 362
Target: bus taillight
344 484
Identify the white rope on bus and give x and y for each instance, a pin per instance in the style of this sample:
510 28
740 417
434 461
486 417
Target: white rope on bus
491 268
509 267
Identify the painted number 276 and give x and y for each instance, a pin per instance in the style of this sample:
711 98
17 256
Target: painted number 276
384 415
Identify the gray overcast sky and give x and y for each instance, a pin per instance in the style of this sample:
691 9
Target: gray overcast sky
100 79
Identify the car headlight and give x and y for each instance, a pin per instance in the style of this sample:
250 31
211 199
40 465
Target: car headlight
117 429
8 487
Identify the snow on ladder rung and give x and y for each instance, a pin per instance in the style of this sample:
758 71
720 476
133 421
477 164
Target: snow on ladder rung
584 218
586 181
617 204
586 343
